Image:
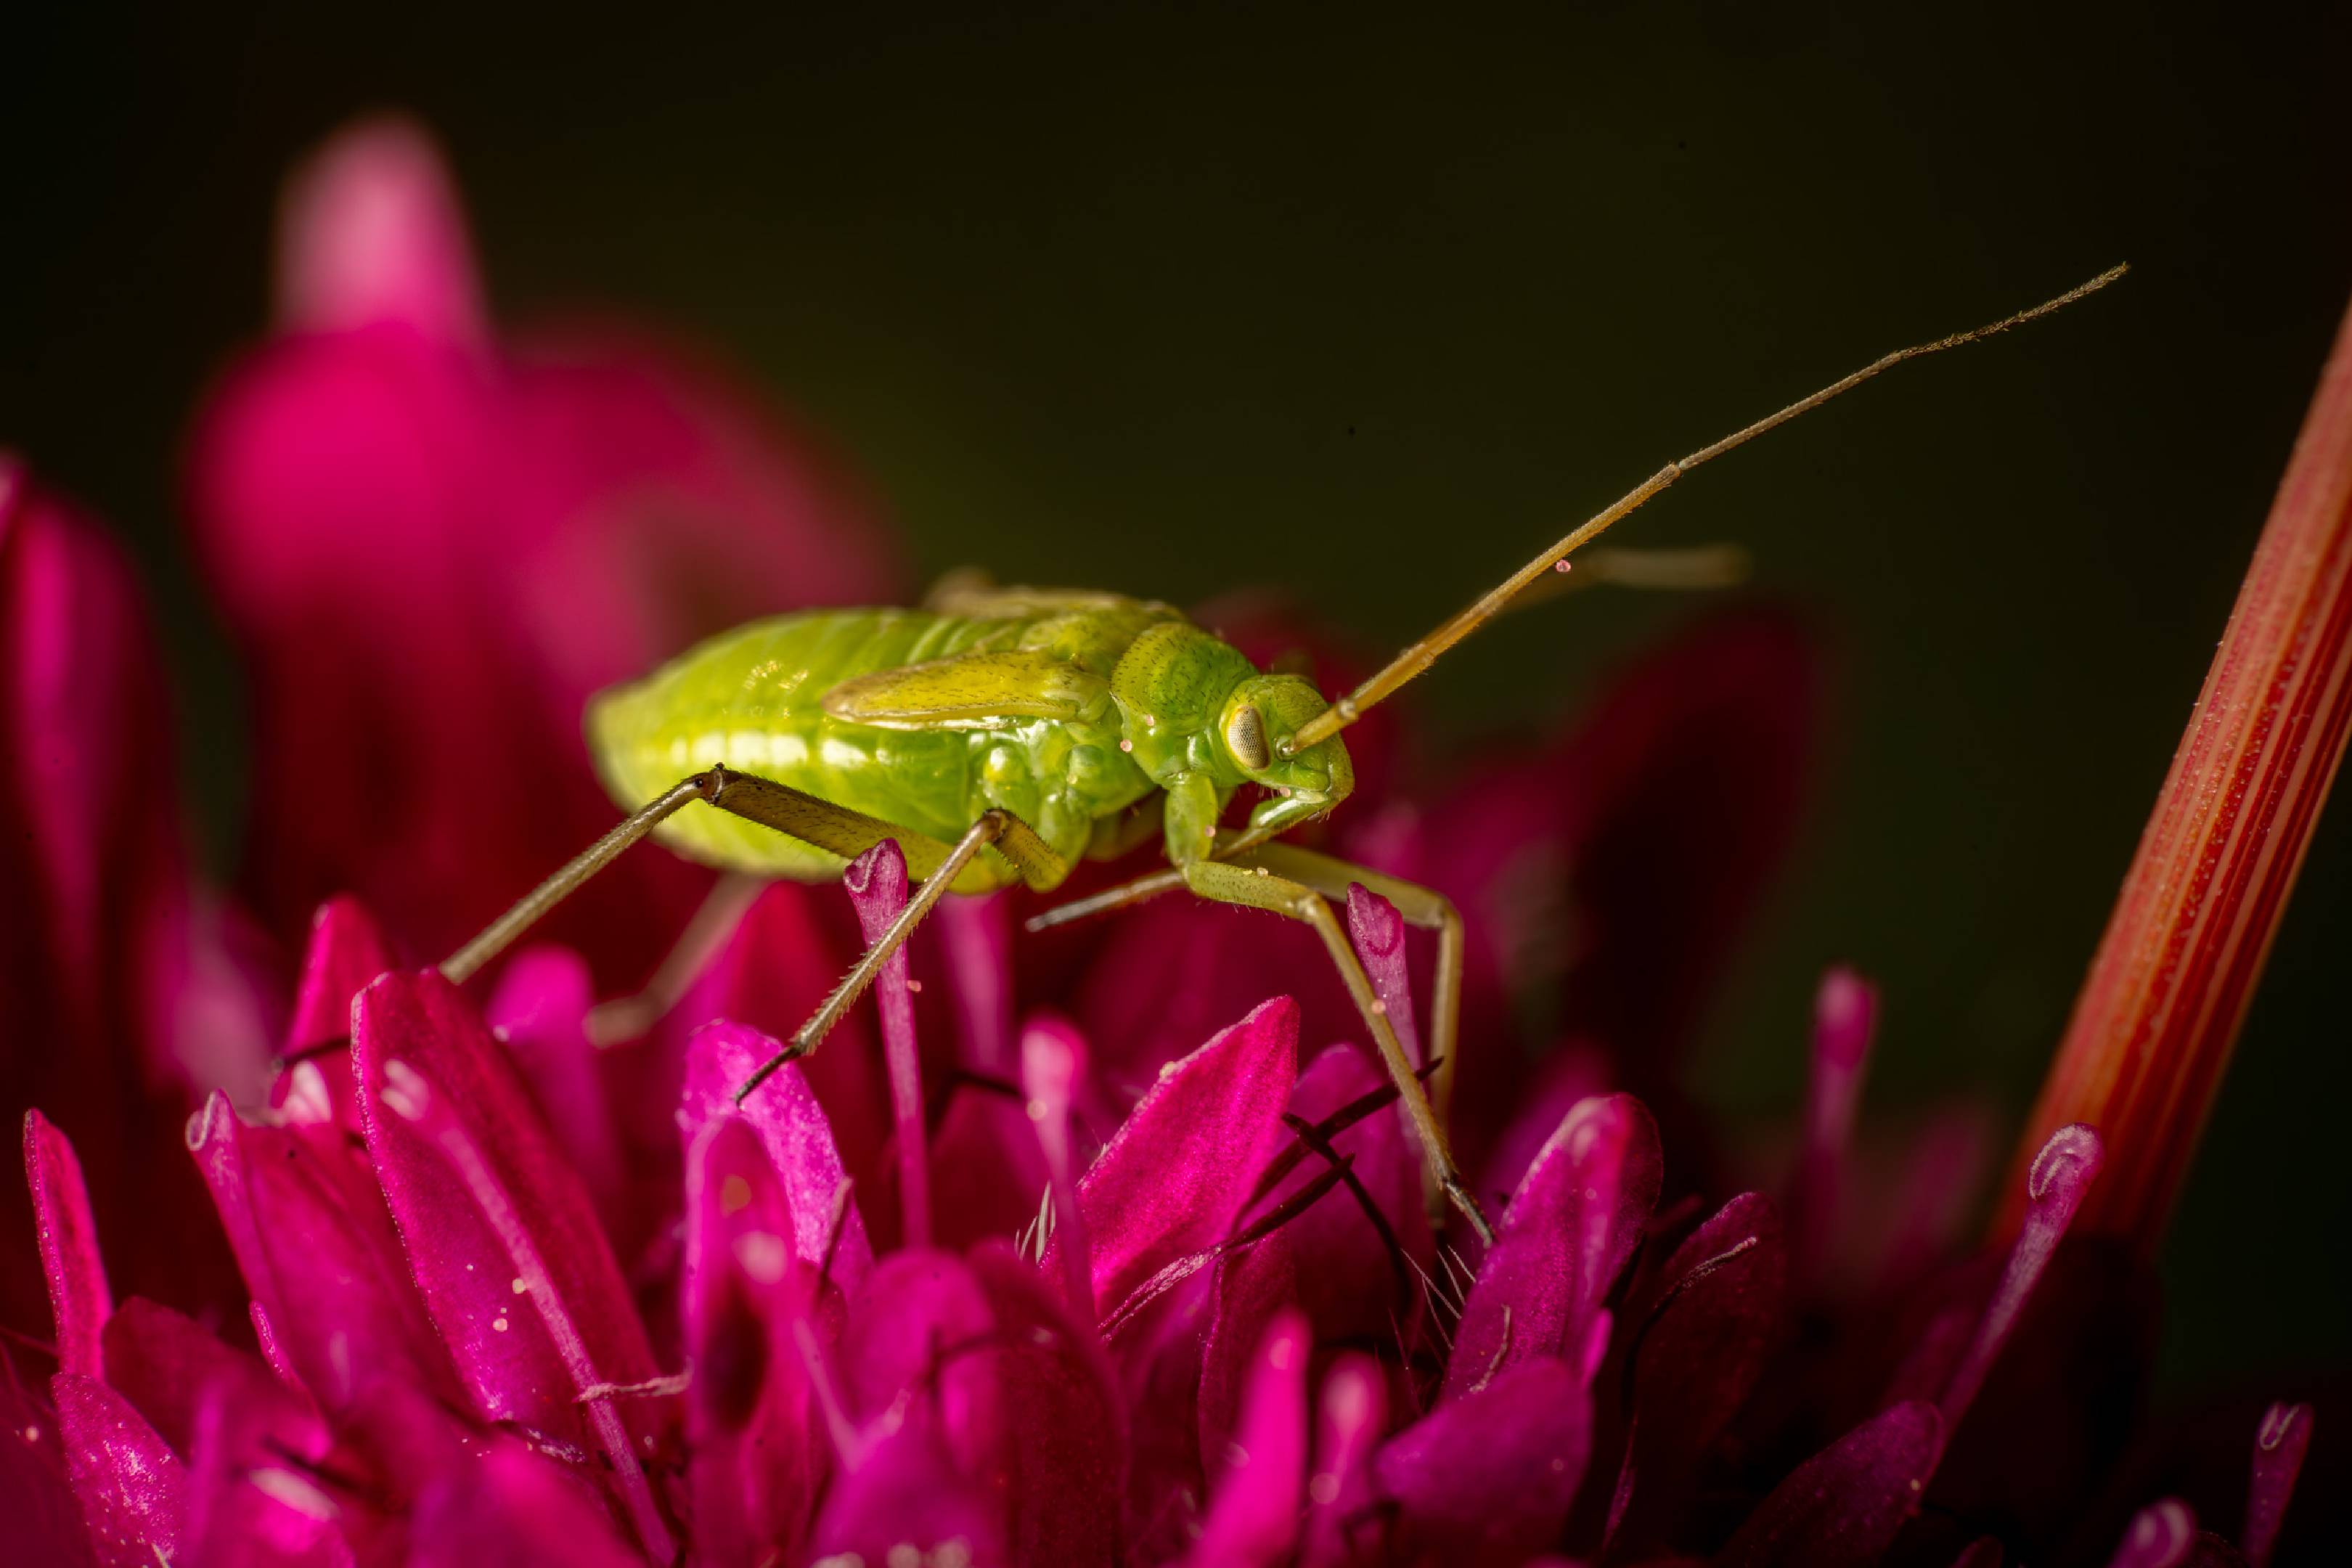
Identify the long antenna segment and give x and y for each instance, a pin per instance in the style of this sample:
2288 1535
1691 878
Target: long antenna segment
1424 653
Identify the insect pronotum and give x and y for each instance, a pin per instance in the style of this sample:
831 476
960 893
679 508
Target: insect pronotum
1002 734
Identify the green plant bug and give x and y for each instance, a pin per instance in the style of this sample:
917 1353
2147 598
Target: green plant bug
1001 735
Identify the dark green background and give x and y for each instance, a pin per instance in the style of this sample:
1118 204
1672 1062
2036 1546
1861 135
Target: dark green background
1366 304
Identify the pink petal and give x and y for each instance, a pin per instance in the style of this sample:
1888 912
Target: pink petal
372 233
406 1094
905 1501
987 1168
513 1509
977 936
346 951
500 1235
1064 1462
36 1498
876 883
1052 1065
540 1010
1841 1507
434 550
107 962
1173 1178
770 976
166 1364
1353 1410
1571 1228
1255 1288
720 1058
1348 1280
2161 1535
407 1441
2062 1173
132 1489
906 1343
2280 1444
1377 932
1254 1522
79 1301
757 1454
1489 1477
1172 973
1719 1311
213 1139
1845 1012
320 1257
248 1506
1570 1072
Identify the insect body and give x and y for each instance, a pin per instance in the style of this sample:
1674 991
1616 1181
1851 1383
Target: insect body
1065 711
1000 734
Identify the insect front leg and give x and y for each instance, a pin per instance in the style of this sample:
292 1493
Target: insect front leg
1423 907
1258 888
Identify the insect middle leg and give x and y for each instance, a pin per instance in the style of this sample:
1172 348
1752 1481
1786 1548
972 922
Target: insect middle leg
1258 887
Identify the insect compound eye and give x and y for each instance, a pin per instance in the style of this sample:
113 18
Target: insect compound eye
1245 738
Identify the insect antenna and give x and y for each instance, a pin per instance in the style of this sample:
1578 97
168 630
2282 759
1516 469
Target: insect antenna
1421 655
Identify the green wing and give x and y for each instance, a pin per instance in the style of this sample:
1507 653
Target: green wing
968 591
971 691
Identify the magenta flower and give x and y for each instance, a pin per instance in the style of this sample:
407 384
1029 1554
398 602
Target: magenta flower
1119 1257
117 993
434 545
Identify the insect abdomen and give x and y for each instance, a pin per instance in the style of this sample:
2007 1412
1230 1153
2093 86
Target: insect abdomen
752 699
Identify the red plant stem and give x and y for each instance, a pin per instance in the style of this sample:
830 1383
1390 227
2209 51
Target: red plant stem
2154 1025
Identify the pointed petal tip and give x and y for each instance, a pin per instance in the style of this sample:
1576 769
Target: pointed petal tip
207 1121
1495 1469
1845 1012
346 950
1842 1508
2159 1536
1052 1060
2280 1443
80 1299
2064 1168
1374 922
1179 1169
371 231
1567 1235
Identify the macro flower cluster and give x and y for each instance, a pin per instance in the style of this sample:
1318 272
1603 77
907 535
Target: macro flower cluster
1103 1246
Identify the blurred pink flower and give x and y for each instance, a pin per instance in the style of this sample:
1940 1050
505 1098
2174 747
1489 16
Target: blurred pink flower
433 545
116 998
